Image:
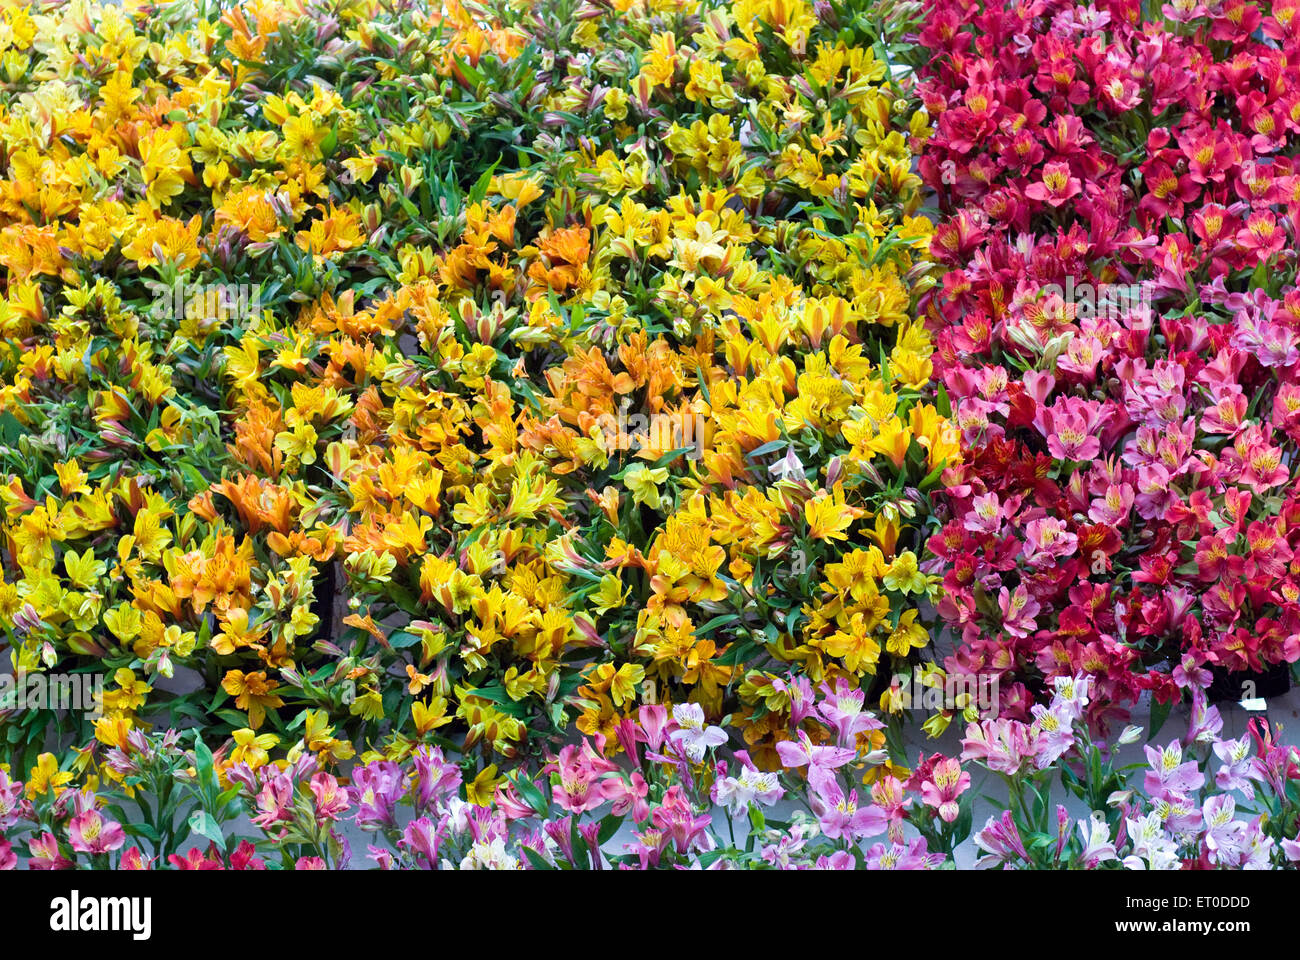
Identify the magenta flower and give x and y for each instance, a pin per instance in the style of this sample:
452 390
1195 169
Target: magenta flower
331 798
679 823
628 796
820 761
434 778
1000 840
895 856
90 832
46 855
1057 186
946 783
577 790
8 859
842 711
1070 426
420 839
133 859
376 789
839 860
244 858
841 817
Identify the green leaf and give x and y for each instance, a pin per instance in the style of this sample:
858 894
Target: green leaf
716 622
770 447
207 826
532 796
1159 714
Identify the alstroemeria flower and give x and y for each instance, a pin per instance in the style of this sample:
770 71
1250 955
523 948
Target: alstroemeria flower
91 832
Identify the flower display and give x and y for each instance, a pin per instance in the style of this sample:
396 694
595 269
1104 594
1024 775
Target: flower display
497 434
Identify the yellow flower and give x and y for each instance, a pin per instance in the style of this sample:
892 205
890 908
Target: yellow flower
164 164
72 479
644 483
906 635
46 776
251 747
483 787
904 576
892 441
252 692
430 716
299 442
828 516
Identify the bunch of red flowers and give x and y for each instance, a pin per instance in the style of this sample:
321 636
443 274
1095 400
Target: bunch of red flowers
1118 335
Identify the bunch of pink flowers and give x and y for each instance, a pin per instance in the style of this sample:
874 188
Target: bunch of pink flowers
1117 331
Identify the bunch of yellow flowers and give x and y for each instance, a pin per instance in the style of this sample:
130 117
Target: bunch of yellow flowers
460 374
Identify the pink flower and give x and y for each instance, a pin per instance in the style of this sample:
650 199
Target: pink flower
842 710
695 736
1047 539
331 799
45 853
1113 506
244 858
11 801
1057 185
1018 610
985 514
946 783
898 857
819 760
1000 840
1168 773
133 859
1054 734
275 802
675 819
654 720
839 860
1238 767
890 795
577 790
90 832
1003 745
628 795
420 840
1070 426
841 817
